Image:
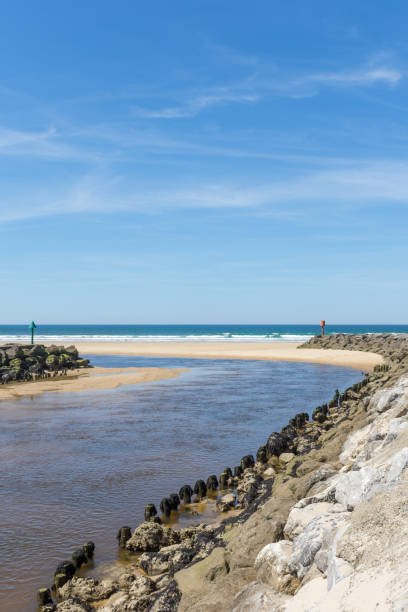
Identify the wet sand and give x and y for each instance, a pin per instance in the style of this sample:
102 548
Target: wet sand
92 379
285 351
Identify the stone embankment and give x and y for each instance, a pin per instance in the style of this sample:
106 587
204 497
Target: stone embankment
323 522
25 362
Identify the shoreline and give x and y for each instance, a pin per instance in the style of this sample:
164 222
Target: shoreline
84 380
284 351
302 493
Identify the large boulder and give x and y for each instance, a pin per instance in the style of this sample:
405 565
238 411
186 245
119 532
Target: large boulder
87 589
256 597
52 362
169 558
210 569
316 538
72 352
272 566
150 537
300 517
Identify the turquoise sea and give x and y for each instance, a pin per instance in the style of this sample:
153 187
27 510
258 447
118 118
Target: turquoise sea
190 333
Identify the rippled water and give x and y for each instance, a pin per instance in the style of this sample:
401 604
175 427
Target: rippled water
76 466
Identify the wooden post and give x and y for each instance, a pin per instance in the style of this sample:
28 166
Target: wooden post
322 324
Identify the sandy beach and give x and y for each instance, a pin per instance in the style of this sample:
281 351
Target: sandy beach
110 378
285 351
93 379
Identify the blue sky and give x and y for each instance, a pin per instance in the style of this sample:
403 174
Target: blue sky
203 161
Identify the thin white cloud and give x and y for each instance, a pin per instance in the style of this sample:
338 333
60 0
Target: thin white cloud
11 138
365 184
386 75
259 86
196 105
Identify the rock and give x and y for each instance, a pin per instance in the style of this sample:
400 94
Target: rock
87 589
317 536
299 518
263 527
72 352
166 600
72 605
286 457
209 569
13 351
248 488
52 362
142 585
355 486
135 596
255 597
150 537
272 566
169 558
227 502
269 472
82 363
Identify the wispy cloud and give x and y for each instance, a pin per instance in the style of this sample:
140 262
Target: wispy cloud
363 77
365 184
265 81
196 105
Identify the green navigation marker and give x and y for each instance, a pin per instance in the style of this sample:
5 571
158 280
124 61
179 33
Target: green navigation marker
32 326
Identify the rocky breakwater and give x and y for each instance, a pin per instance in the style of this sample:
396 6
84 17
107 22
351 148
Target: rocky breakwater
25 362
322 522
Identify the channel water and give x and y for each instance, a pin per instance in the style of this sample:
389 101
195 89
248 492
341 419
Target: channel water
77 466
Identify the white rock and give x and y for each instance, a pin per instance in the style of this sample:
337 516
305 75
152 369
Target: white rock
255 597
317 536
356 486
399 463
299 518
271 564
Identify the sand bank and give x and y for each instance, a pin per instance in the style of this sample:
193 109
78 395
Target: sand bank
285 351
94 379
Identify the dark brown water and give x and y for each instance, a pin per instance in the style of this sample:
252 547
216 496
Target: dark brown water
77 466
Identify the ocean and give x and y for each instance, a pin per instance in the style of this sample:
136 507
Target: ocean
184 333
